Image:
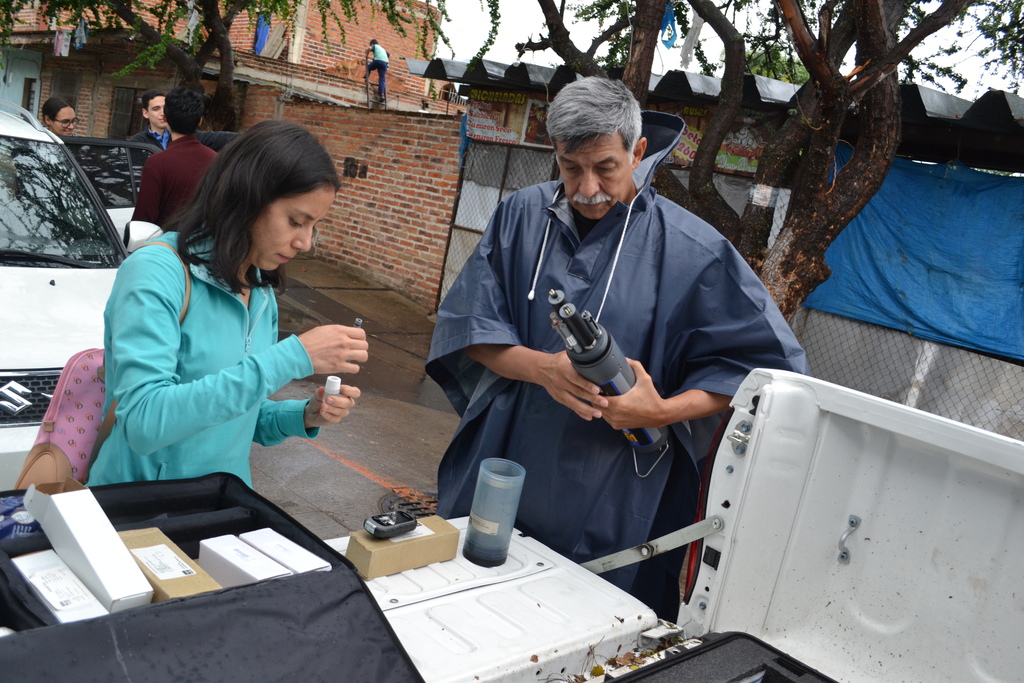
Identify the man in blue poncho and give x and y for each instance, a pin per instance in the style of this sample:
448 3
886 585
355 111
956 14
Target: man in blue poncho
679 300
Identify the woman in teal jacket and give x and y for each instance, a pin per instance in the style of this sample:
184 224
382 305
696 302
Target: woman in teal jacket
191 398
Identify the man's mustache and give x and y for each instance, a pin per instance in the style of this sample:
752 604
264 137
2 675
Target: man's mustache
599 198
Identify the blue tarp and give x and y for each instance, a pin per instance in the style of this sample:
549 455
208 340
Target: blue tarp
938 253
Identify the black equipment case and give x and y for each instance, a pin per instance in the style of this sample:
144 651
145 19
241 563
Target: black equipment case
317 626
724 658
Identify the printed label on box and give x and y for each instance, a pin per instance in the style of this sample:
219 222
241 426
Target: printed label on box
418 532
163 562
61 588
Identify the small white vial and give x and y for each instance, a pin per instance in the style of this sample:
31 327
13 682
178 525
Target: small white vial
333 386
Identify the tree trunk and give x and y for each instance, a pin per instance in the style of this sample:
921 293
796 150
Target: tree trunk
220 112
824 201
646 29
707 202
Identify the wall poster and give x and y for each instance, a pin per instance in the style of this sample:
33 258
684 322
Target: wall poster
743 144
506 116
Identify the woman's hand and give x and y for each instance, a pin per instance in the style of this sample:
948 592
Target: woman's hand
335 348
320 413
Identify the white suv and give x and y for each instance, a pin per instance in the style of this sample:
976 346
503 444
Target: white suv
59 253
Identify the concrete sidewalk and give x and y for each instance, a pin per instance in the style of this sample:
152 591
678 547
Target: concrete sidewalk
387 451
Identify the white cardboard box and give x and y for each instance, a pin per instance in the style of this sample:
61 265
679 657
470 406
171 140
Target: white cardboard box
280 549
84 538
57 587
233 562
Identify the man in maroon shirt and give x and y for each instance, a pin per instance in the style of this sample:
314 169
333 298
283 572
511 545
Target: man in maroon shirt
169 177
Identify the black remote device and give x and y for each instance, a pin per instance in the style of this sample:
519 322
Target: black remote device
389 524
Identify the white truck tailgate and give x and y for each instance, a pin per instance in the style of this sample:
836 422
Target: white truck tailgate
872 541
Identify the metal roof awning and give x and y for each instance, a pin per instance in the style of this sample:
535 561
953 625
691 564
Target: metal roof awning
1002 110
486 72
758 91
683 85
417 67
445 70
530 75
921 103
937 127
768 90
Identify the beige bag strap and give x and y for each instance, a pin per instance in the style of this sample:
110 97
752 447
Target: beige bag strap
188 278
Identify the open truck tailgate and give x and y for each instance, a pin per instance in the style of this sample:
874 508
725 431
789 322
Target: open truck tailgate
871 541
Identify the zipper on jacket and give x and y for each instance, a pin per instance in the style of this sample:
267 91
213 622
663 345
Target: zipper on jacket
250 324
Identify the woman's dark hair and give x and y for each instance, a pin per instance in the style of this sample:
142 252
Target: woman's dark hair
52 107
271 160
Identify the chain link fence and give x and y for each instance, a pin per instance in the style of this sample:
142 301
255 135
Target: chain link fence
490 172
962 385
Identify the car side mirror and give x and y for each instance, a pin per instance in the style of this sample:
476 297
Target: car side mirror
137 233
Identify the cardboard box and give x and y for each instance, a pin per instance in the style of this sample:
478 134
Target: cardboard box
84 538
57 587
170 572
233 562
433 540
280 549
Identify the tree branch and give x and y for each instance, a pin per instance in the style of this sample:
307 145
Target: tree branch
181 58
807 47
562 44
933 22
607 34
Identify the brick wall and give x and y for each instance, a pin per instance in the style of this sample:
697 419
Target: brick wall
96 92
399 173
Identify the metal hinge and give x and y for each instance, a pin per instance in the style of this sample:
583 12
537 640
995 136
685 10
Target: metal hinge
740 437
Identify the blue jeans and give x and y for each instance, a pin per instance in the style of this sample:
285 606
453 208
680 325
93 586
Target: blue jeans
382 71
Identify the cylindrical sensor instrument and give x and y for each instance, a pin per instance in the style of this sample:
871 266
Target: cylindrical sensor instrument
596 356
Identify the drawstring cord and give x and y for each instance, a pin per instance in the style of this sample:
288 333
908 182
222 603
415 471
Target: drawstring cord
615 261
540 261
543 245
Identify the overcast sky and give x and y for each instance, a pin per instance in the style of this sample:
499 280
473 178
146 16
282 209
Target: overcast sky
522 18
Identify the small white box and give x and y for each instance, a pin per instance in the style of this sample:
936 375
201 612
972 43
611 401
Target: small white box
84 538
57 587
233 562
290 554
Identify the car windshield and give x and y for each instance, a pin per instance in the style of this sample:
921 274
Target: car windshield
46 210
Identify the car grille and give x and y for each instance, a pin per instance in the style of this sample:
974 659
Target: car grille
40 385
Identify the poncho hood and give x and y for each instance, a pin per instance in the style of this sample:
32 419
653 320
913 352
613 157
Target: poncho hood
662 132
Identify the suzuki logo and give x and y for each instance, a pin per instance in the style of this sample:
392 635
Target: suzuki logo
12 398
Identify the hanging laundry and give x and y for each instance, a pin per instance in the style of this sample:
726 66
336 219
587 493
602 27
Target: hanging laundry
61 43
193 20
81 33
669 32
262 31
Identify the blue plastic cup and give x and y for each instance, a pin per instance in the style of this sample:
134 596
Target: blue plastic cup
499 485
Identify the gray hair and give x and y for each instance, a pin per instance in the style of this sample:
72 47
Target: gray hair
591 107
